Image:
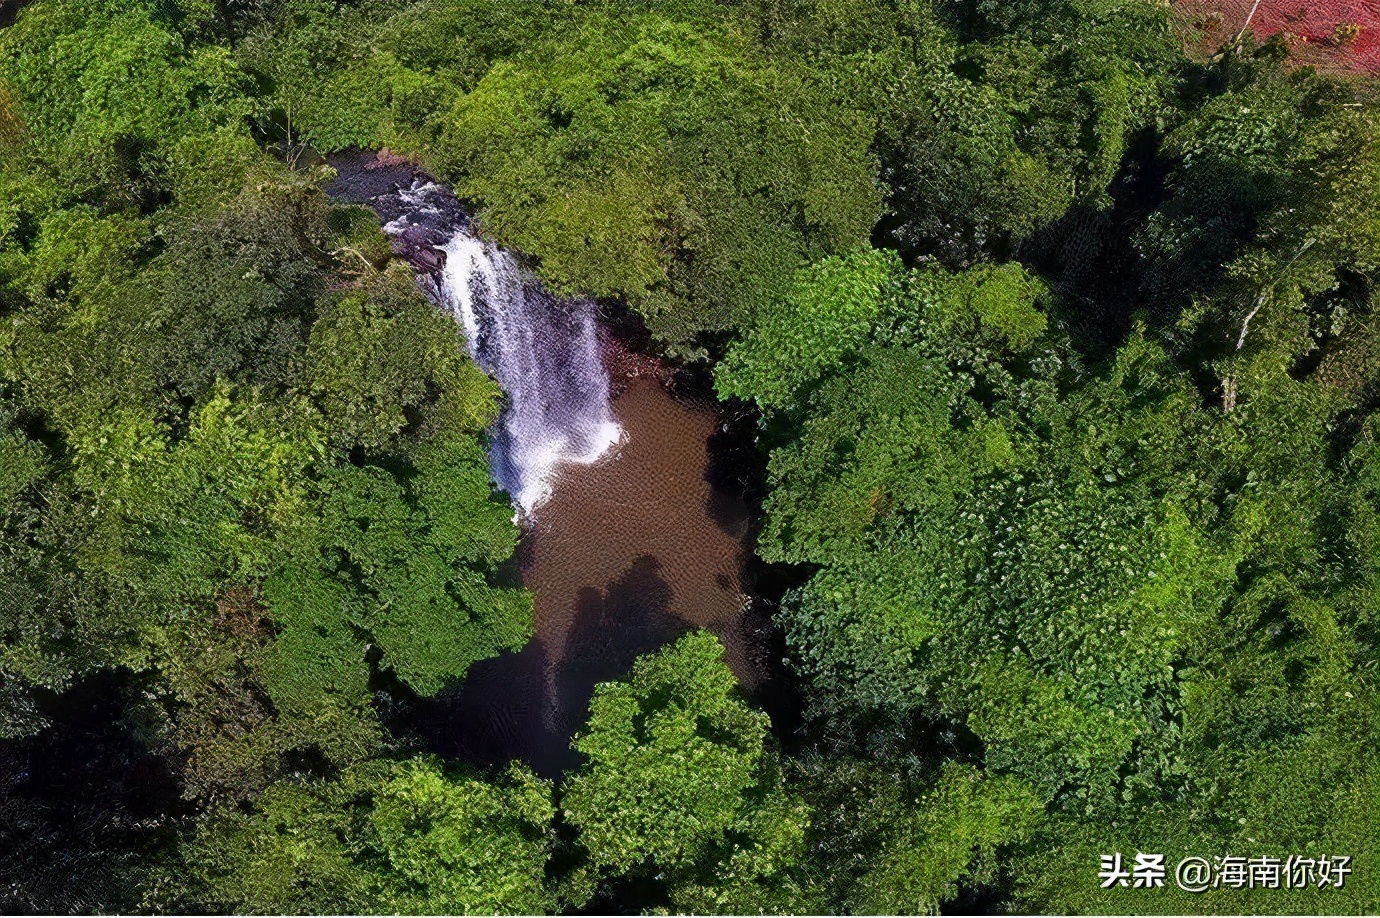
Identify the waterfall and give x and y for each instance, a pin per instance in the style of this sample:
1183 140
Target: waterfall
543 351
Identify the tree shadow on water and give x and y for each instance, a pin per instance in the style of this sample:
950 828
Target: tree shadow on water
495 715
736 471
612 628
529 705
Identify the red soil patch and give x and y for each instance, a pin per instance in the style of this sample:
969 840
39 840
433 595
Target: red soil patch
1331 34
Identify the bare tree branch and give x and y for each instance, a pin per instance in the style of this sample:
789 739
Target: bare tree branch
1246 25
1229 382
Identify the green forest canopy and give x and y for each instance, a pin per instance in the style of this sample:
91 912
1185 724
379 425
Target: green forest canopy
1066 349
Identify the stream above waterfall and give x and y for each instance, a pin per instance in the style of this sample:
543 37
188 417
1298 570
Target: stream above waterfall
630 537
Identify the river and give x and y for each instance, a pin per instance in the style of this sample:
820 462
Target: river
630 533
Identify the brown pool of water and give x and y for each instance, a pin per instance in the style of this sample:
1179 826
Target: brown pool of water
628 554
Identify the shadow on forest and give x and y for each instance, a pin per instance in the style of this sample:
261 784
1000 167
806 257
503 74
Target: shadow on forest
9 11
82 802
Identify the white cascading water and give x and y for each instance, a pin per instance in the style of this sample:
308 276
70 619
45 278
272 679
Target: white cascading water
544 353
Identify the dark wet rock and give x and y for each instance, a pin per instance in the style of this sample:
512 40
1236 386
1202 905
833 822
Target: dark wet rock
418 211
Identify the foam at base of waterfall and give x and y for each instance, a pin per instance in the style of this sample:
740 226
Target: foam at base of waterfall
608 435
540 464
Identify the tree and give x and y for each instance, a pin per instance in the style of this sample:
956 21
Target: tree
953 835
829 312
885 839
678 782
105 91
1132 596
385 837
382 360
240 289
991 120
661 159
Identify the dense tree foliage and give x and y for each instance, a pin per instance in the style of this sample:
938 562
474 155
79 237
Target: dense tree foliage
243 460
1144 611
1065 349
678 784
397 837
